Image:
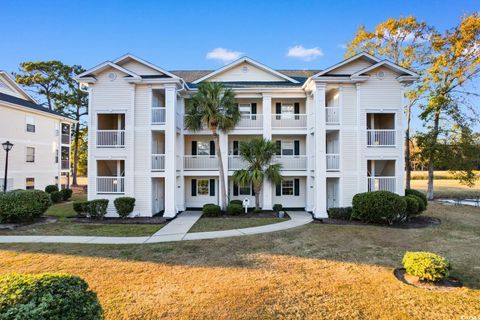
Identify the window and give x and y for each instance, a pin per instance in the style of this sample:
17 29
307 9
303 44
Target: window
287 148
30 122
244 190
30 154
56 156
203 148
29 183
287 188
288 109
245 110
203 187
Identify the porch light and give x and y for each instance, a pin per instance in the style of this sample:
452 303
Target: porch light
7 146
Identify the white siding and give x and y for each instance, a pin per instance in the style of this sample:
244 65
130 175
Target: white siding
352 67
253 74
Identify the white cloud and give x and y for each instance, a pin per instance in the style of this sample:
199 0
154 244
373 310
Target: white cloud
306 54
223 55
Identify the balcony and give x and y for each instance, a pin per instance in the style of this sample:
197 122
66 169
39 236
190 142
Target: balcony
332 115
200 162
158 162
333 162
250 121
110 138
382 184
289 121
292 162
236 163
381 137
158 115
110 185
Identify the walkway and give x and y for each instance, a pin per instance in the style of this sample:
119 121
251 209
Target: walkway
176 230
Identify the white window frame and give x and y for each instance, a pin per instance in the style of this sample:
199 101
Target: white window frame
31 123
208 187
289 114
198 148
292 187
26 154
282 142
33 183
244 114
240 193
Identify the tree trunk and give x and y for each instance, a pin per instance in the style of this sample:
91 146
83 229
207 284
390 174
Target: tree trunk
431 158
257 197
221 179
75 154
408 164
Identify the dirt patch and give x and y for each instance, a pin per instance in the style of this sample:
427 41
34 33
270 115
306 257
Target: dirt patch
137 220
448 284
413 223
36 222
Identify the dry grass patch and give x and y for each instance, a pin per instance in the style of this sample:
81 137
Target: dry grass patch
216 224
448 188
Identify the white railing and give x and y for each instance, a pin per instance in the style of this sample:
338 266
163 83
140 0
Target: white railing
382 184
381 137
200 162
332 115
281 121
158 115
110 138
292 162
236 163
110 184
251 121
333 162
158 162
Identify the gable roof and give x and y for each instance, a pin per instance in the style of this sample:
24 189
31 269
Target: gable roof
144 62
248 60
362 55
16 86
103 66
388 64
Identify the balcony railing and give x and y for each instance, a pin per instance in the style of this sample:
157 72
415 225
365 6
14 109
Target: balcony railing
289 121
292 162
332 115
65 138
110 184
200 163
158 162
333 162
251 121
111 138
65 164
381 137
236 163
382 184
158 115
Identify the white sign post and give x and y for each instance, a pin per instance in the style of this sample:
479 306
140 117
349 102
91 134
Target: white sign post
246 202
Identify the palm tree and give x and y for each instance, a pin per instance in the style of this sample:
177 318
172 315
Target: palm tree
213 107
259 154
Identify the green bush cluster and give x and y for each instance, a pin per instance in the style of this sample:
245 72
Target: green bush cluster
379 207
23 205
340 213
234 209
47 296
66 194
97 209
412 206
277 207
426 265
418 194
51 188
81 208
56 196
240 202
211 210
124 206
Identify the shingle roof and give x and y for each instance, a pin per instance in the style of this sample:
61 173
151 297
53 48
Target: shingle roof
28 104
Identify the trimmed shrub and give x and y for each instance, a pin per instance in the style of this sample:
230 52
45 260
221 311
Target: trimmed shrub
257 210
51 188
211 210
66 194
23 205
412 205
97 209
240 202
419 194
277 207
124 206
81 208
234 209
379 207
47 296
421 203
426 265
340 213
56 196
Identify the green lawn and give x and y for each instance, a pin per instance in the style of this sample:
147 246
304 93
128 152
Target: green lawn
215 224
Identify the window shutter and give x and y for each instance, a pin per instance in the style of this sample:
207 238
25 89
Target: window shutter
194 187
254 111
278 190
296 148
235 148
296 187
253 191
278 110
235 189
212 187
194 148
296 110
278 151
212 148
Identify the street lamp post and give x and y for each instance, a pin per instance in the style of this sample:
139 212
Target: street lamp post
7 146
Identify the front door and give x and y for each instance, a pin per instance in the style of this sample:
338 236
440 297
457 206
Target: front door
157 196
332 193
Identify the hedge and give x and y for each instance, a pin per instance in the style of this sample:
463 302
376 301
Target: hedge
124 206
413 205
81 208
240 202
426 265
235 209
421 203
417 193
47 296
379 207
97 209
277 207
211 210
56 196
66 194
51 188
23 205
340 213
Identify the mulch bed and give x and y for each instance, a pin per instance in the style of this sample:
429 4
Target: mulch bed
263 214
414 223
35 222
115 220
441 285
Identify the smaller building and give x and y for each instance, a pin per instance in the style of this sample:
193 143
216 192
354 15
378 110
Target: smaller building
41 140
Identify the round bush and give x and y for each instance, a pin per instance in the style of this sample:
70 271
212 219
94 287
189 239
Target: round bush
51 188
341 213
412 205
211 210
97 209
66 194
426 265
124 206
56 196
23 205
277 207
235 209
419 194
240 202
47 296
379 207
81 208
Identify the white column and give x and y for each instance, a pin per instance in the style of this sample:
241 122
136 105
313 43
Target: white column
180 152
170 151
224 148
361 136
310 155
267 189
320 181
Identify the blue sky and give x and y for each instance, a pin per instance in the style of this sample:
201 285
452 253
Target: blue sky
180 34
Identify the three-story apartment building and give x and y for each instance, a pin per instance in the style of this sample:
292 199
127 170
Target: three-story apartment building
338 131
